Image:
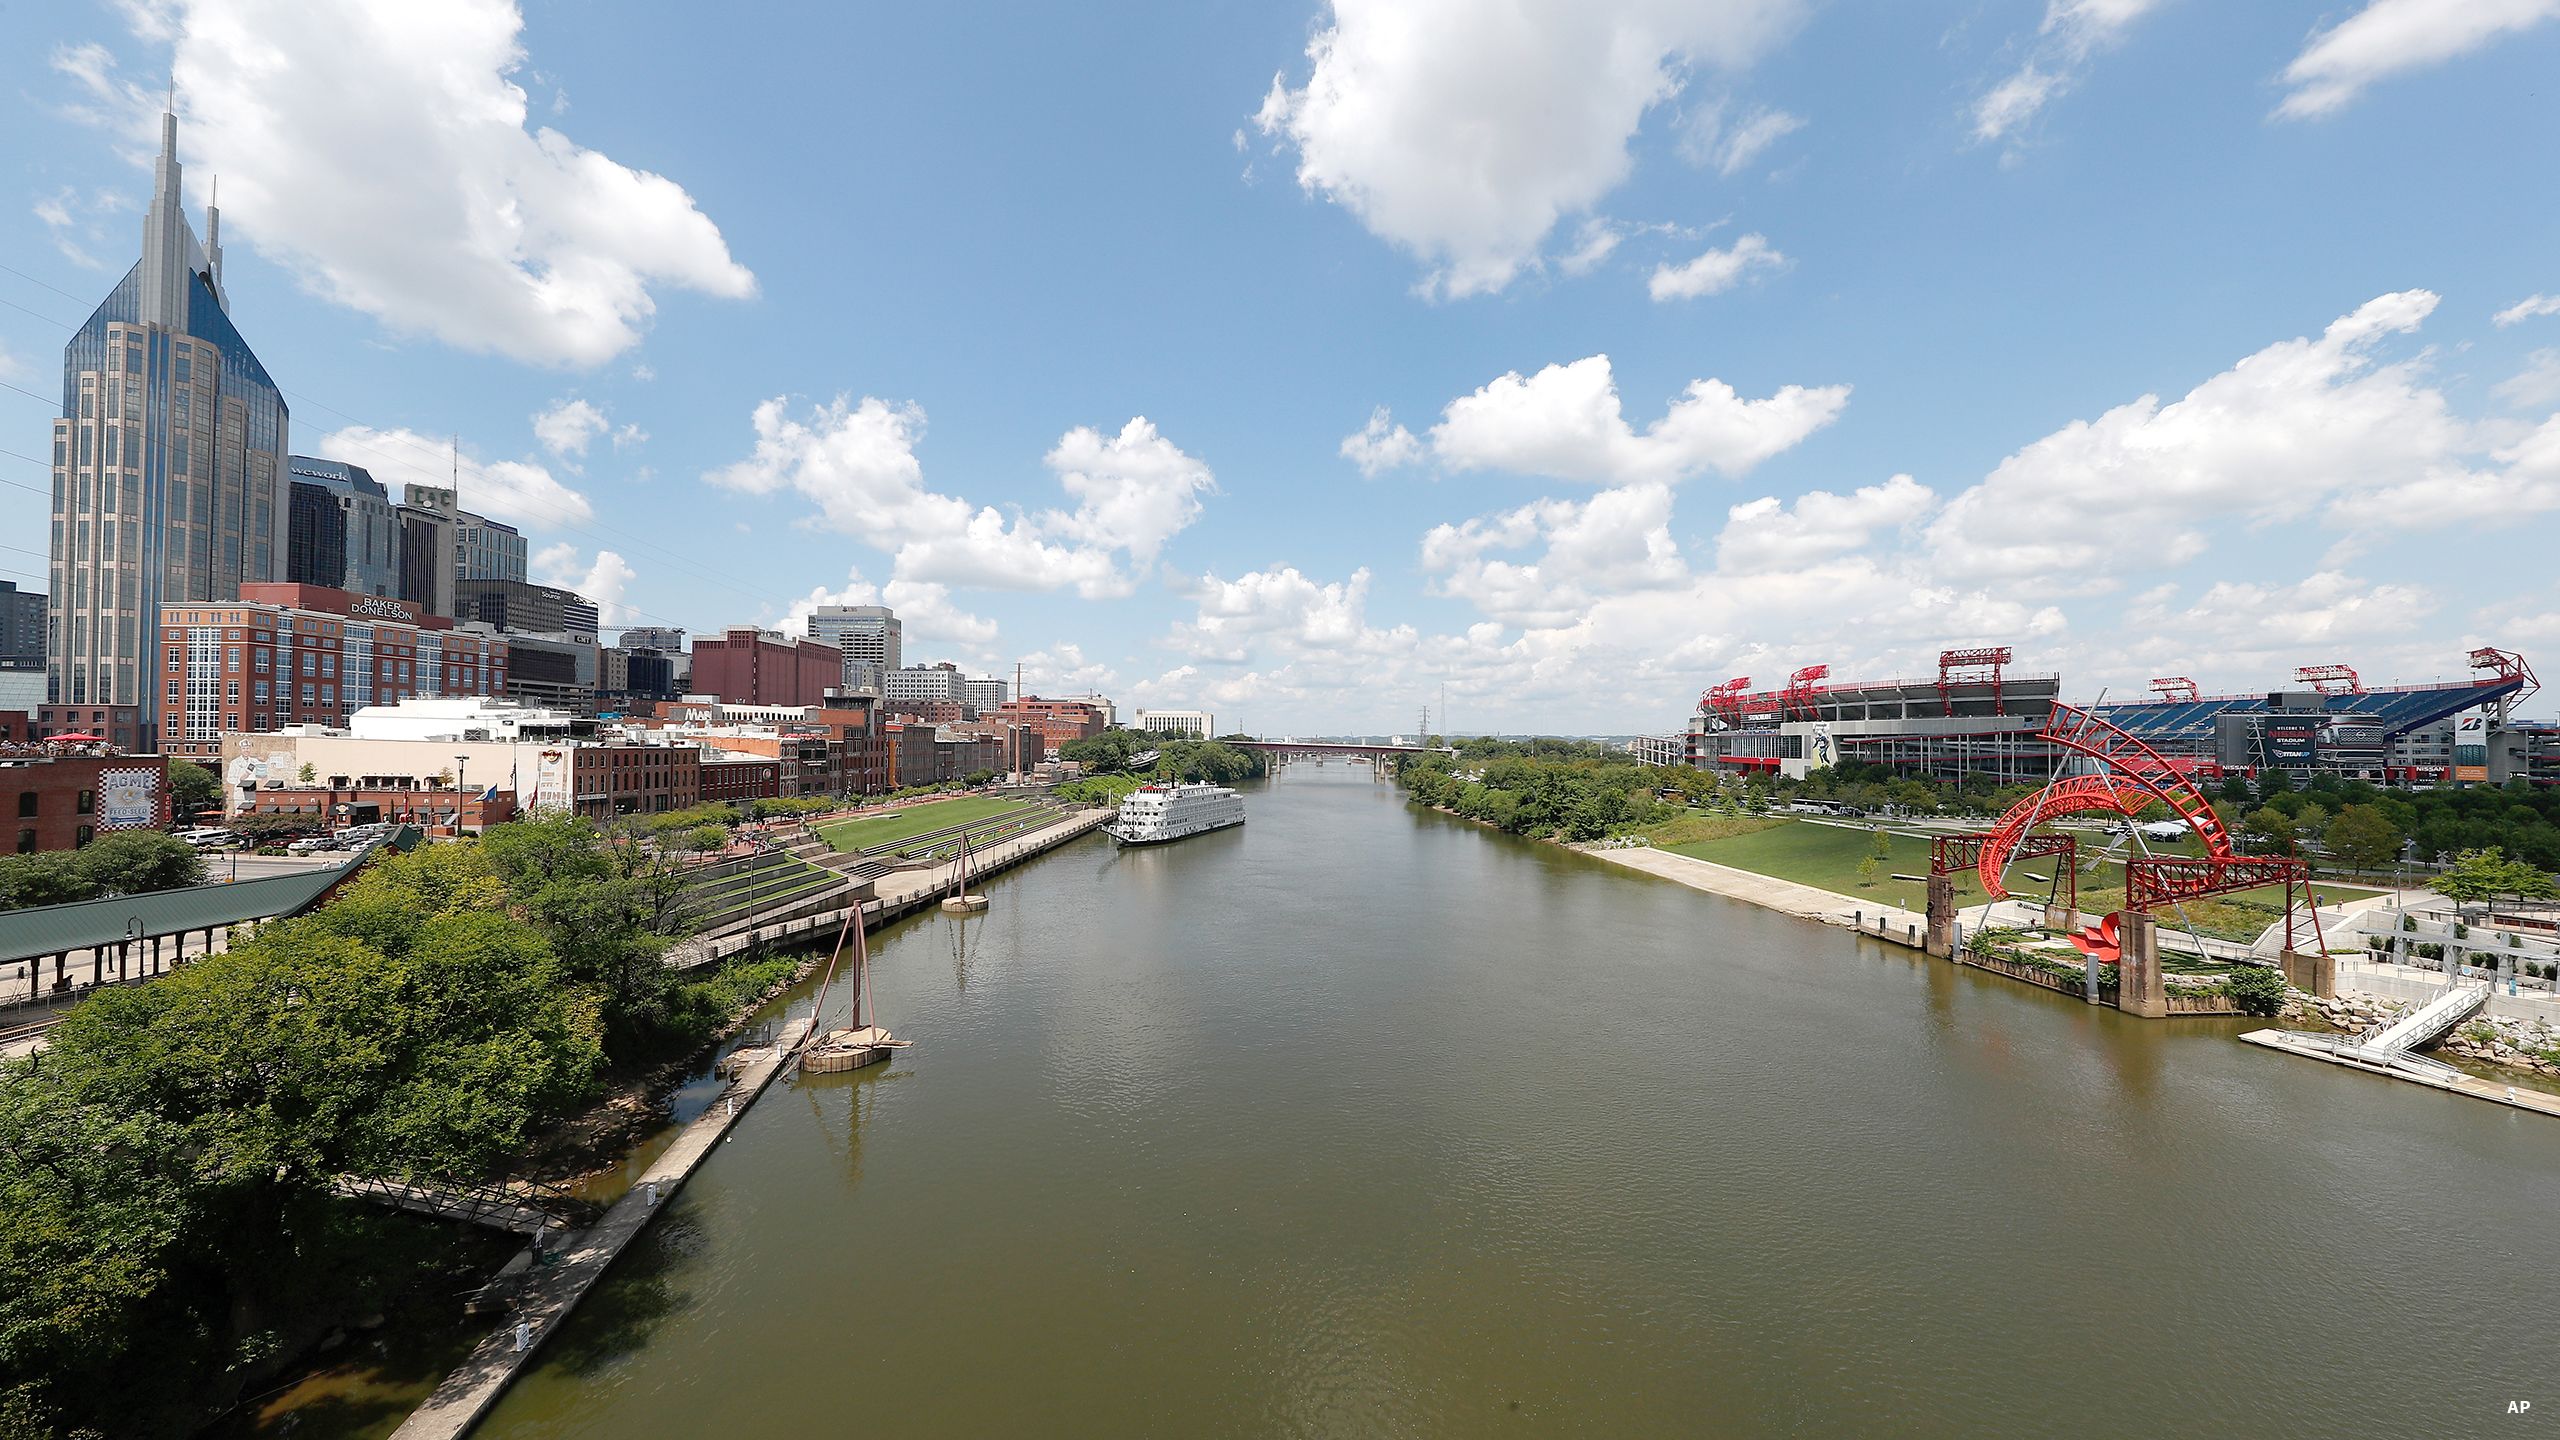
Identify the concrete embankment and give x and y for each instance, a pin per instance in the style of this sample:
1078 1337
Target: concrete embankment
557 1286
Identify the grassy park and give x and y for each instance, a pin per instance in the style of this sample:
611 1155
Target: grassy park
871 831
1828 857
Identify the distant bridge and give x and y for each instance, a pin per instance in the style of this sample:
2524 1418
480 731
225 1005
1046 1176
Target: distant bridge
1348 749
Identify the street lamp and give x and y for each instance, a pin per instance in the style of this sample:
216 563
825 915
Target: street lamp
461 767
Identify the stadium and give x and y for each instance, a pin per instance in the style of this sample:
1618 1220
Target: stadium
1975 719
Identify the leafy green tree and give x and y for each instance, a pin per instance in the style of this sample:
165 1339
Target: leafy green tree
2362 837
140 862
1867 869
54 878
192 788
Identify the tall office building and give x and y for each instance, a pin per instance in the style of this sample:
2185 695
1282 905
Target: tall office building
343 534
169 481
21 628
870 637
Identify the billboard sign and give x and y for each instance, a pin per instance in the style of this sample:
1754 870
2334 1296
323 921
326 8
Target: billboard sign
2291 742
128 799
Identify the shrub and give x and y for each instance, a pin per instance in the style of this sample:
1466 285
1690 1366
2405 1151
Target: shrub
2255 989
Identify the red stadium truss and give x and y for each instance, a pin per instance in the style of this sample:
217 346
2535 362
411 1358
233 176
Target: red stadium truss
1796 701
1993 658
2176 688
1725 699
2331 679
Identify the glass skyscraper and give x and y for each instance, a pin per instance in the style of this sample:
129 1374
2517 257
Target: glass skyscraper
169 480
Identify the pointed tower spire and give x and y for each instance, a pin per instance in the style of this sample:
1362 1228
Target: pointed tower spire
164 235
213 240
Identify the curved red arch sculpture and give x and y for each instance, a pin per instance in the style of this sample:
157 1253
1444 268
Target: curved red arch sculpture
2135 776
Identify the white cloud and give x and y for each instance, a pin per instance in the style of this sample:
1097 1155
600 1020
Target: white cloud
856 591
11 367
1381 445
1767 534
1706 139
932 622
2388 37
1463 134
2536 386
2072 32
1134 491
2529 308
569 427
857 463
628 436
1566 422
1615 543
1281 608
382 154
604 580
77 224
517 491
2277 436
1592 244
1063 669
1716 271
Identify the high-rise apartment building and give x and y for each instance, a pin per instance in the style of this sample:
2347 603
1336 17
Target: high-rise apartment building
343 532
169 481
483 549
870 637
985 695
426 554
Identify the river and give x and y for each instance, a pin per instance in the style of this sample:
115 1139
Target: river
1366 1121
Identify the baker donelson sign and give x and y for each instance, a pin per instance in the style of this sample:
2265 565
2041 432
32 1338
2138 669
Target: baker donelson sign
381 609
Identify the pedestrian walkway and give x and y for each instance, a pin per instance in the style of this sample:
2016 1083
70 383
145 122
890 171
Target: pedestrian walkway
555 1289
1787 897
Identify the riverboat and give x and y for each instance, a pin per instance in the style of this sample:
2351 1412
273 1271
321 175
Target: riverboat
1155 814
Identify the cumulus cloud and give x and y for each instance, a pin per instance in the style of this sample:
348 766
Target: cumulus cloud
2279 435
519 492
2529 308
1381 445
1768 534
77 223
568 427
2072 32
2389 37
856 462
1617 542
382 154
1463 135
605 580
1566 422
1716 271
1594 242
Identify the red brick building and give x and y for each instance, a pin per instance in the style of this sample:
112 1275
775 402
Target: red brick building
306 655
1056 721
55 801
737 779
748 666
430 809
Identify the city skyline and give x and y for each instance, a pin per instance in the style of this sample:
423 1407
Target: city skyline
1780 353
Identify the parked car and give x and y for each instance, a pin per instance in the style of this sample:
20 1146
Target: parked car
314 844
207 837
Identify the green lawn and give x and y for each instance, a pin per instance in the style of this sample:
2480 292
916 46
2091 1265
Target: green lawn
851 836
1827 856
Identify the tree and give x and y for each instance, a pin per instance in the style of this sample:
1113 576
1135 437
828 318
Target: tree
307 773
192 788
140 862
2361 837
2485 874
1867 869
1881 847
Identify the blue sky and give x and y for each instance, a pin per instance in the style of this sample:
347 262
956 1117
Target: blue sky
2148 336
